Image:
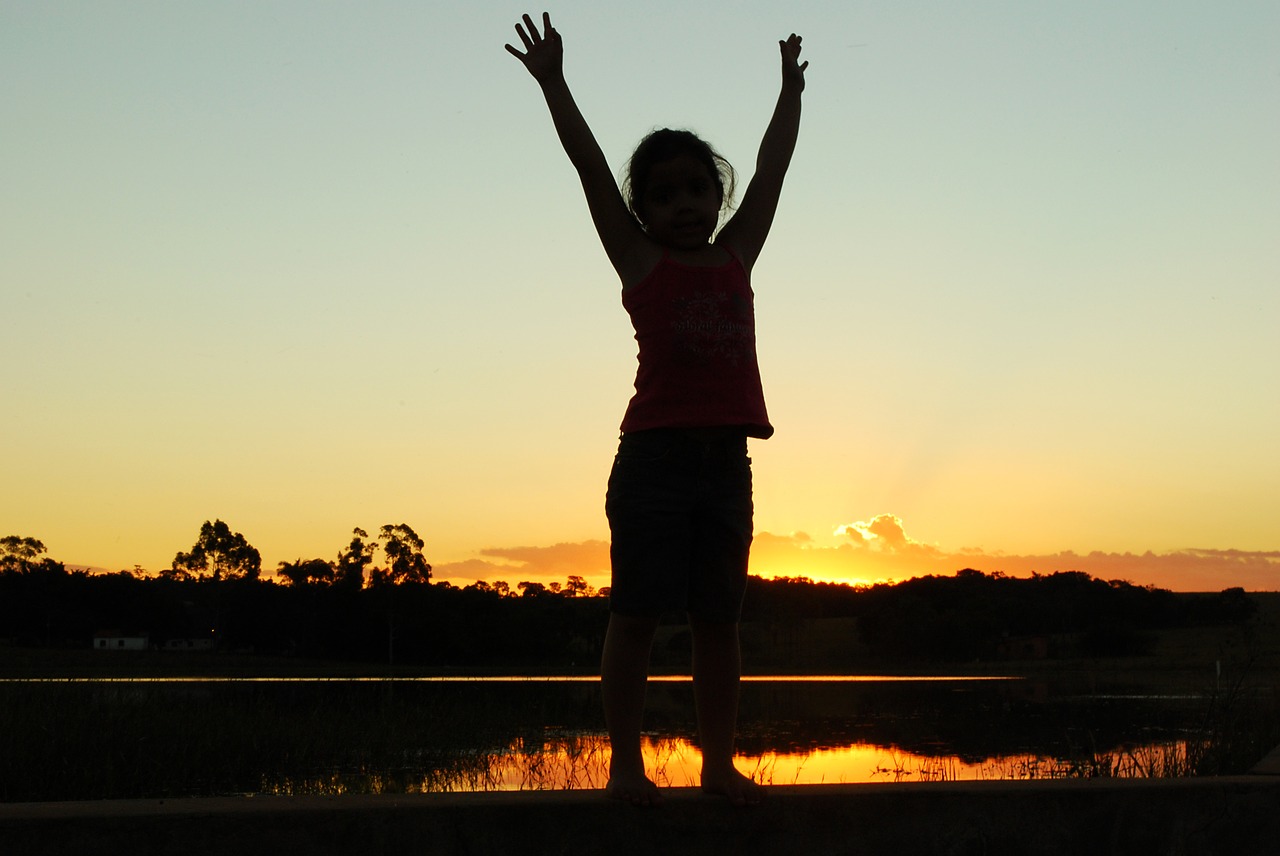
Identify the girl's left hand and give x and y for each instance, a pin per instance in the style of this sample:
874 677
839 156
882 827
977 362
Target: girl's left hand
792 68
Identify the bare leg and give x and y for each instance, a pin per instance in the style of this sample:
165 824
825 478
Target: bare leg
717 664
624 672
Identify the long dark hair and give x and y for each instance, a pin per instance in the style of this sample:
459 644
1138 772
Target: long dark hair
663 145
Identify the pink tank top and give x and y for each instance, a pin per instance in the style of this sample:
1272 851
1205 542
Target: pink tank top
696 331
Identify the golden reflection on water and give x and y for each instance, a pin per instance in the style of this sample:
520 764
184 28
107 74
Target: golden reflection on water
500 679
562 760
581 762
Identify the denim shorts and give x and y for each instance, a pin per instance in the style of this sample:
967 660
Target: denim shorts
680 515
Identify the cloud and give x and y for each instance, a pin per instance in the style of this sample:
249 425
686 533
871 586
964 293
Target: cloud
587 559
581 557
880 549
470 569
885 533
870 554
1179 570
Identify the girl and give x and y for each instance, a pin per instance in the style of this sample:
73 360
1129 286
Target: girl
679 498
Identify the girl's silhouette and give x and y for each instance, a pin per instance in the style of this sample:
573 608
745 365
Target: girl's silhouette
679 498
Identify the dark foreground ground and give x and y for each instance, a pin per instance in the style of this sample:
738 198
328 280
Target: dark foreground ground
1205 817
1197 816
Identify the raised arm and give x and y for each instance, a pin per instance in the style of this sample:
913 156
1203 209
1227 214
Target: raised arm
623 239
747 229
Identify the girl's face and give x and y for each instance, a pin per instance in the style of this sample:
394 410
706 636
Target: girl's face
681 203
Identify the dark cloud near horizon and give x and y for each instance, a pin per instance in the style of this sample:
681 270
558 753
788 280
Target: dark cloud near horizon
796 555
880 549
556 562
890 554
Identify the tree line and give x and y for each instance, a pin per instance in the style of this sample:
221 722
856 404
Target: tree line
220 554
359 609
973 616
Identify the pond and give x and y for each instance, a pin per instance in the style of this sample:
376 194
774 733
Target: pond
91 739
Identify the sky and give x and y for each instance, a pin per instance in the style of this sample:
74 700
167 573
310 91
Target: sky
308 266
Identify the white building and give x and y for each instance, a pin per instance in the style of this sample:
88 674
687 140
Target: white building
115 640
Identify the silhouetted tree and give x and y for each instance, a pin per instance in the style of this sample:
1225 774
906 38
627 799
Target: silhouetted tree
1232 604
349 569
21 556
303 571
218 554
405 563
530 589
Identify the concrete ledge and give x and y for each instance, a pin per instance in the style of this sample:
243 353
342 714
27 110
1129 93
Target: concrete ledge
1229 815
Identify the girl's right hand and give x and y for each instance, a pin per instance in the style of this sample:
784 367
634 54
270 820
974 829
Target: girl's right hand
543 54
792 68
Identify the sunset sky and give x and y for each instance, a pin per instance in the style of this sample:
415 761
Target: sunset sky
305 266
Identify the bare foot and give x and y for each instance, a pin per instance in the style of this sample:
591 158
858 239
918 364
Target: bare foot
634 789
739 789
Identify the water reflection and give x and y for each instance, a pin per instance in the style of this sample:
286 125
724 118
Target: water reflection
581 762
336 736
502 679
837 729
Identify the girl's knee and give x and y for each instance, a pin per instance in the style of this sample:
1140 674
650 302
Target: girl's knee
712 629
632 627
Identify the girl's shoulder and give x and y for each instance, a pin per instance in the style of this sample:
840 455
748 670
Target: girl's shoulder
640 263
